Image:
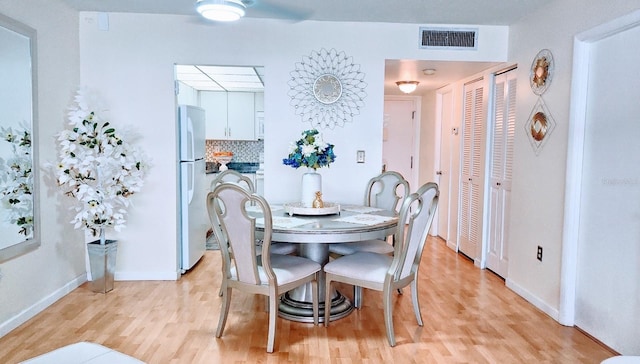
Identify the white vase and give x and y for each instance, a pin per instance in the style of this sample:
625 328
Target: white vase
311 183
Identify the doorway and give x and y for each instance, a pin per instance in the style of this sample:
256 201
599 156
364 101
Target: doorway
444 164
501 135
600 280
472 168
400 135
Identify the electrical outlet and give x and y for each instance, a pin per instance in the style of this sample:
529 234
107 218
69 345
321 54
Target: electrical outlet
539 254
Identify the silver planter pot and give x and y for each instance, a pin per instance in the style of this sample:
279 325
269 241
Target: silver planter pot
102 261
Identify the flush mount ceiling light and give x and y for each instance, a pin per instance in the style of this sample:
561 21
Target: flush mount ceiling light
221 10
407 86
429 71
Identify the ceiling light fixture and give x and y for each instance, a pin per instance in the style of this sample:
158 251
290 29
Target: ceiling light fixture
429 71
407 86
221 10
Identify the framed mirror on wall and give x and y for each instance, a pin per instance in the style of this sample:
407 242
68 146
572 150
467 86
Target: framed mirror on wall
19 220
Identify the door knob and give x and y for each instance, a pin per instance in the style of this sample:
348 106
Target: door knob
439 173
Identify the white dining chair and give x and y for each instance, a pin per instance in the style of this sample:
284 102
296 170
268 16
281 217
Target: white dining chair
266 274
386 273
231 175
385 191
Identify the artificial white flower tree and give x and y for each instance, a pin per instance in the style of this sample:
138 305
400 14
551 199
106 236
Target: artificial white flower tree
98 167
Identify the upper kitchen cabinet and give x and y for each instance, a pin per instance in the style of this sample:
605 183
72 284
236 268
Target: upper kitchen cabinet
241 116
187 95
230 115
232 96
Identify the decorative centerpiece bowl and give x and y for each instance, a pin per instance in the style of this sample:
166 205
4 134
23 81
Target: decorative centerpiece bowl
223 158
298 208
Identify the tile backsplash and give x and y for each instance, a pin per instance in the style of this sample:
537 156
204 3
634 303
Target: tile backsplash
244 151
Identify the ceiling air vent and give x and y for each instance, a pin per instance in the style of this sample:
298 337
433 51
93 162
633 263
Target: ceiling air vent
449 38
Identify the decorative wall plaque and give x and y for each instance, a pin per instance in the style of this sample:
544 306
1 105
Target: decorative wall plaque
541 72
539 126
327 89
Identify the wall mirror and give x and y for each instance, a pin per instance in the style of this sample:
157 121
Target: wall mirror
19 225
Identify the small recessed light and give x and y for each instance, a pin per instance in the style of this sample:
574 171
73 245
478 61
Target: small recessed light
429 71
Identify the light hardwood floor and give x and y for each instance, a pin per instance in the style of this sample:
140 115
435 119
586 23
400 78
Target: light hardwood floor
469 315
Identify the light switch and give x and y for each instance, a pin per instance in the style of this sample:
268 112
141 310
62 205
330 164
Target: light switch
360 156
103 21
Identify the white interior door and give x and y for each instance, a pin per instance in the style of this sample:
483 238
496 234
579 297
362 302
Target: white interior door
471 176
502 133
398 137
443 170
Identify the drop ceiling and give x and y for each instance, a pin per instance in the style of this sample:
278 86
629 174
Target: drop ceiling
221 78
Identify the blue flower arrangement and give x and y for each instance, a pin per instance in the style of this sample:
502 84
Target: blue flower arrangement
310 151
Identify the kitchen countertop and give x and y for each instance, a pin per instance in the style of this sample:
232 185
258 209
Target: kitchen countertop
241 167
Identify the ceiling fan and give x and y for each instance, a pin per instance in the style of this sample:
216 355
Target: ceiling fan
232 10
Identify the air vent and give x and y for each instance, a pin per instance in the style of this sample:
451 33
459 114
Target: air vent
449 38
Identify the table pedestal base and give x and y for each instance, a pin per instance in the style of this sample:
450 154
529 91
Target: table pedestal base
293 310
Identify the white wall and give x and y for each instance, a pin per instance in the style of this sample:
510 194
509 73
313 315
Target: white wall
33 281
428 139
135 76
608 288
538 188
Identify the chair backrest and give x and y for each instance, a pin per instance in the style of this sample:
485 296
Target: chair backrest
418 209
386 190
235 230
233 176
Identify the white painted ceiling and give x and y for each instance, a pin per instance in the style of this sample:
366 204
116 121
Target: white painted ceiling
480 12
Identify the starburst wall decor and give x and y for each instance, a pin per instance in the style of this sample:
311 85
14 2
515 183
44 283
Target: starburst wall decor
327 89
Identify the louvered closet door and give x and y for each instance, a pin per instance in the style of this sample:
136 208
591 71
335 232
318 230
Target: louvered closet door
472 169
501 171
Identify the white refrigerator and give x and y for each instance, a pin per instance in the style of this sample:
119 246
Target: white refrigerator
194 220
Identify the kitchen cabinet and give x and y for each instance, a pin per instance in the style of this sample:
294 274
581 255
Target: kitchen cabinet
259 125
230 115
259 101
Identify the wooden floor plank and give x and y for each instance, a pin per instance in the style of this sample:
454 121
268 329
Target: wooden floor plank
469 315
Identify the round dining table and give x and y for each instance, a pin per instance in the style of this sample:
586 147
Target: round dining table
314 233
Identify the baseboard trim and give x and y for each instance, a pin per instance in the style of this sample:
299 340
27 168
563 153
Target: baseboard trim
534 300
452 245
32 311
